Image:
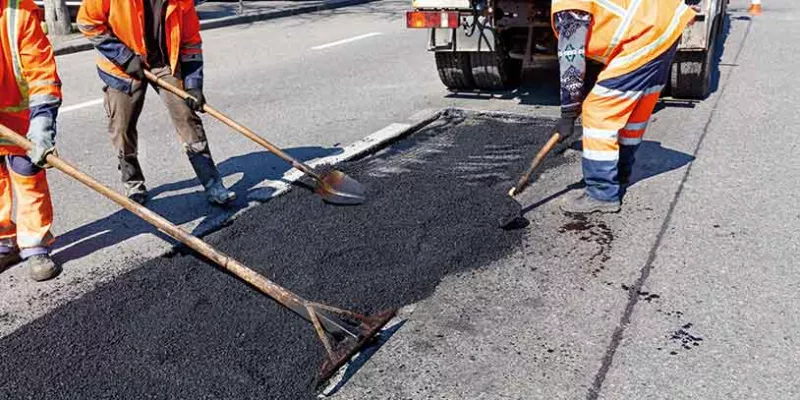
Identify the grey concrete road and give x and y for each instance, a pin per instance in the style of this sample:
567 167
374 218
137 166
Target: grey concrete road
688 293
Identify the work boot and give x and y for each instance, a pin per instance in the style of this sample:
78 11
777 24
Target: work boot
133 178
136 192
755 10
208 175
9 258
585 204
41 267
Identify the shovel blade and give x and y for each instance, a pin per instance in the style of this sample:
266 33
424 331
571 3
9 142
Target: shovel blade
338 188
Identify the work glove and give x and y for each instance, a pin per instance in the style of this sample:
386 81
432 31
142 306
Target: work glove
135 68
565 127
197 100
42 133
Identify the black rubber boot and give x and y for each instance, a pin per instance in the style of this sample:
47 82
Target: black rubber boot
585 204
41 267
133 178
208 175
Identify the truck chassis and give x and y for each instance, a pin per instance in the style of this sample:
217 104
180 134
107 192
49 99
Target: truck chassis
485 44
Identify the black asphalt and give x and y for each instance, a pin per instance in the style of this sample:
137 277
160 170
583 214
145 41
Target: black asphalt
178 328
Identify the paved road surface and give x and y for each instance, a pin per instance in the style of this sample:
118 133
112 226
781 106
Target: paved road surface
689 293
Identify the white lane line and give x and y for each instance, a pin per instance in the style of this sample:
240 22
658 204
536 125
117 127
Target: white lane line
348 40
81 105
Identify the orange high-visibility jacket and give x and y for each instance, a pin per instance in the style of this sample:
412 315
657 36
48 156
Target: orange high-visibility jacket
626 34
116 29
30 89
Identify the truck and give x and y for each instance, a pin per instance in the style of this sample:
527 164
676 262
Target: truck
486 44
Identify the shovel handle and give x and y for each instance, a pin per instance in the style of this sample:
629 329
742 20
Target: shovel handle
234 125
525 178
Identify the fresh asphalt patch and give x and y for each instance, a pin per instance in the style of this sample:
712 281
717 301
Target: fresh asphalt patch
177 327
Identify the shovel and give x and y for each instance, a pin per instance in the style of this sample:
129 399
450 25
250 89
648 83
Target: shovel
515 220
342 332
525 179
333 186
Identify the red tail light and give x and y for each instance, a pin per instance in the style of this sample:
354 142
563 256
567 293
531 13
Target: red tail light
431 19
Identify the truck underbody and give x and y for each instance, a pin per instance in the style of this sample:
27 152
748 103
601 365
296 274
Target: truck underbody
486 44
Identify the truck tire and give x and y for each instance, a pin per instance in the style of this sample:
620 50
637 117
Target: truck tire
690 77
454 70
495 71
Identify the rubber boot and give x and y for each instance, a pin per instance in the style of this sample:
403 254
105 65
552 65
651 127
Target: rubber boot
9 258
585 204
133 178
208 175
41 267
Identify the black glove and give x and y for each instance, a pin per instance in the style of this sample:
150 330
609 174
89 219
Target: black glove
565 127
197 100
135 68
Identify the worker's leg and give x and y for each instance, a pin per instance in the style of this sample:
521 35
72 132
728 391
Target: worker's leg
9 253
123 111
654 76
605 113
34 216
193 136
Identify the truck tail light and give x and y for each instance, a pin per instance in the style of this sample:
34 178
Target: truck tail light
432 19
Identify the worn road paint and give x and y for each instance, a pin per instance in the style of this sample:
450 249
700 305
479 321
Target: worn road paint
348 40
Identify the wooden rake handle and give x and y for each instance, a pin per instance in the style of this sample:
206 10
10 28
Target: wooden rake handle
266 286
234 125
526 177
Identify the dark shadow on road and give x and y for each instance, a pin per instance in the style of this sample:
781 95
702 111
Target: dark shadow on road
651 159
254 168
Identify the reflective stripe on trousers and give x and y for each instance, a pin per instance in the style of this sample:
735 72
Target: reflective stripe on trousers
22 180
615 116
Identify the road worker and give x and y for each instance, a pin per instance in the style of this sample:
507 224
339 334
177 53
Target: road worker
755 8
636 42
164 37
31 96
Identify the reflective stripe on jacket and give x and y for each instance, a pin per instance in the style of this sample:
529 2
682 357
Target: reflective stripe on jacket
627 34
29 83
116 29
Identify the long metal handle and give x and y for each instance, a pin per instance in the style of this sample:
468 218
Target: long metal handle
235 125
525 178
266 286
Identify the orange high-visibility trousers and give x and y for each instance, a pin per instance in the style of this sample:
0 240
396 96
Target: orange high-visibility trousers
26 184
615 115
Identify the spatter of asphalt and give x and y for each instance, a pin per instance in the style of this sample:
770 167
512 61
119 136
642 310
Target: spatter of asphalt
179 328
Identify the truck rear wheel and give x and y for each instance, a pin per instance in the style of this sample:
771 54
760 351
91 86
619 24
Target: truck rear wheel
454 70
495 70
690 77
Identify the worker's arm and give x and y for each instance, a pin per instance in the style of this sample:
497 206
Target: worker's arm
191 56
44 86
572 27
93 23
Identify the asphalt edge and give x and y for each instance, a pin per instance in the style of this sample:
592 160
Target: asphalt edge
247 18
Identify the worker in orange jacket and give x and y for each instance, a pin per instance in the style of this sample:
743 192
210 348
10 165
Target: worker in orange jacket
755 8
164 37
636 41
31 96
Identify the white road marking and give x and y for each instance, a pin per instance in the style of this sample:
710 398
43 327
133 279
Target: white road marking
81 105
348 40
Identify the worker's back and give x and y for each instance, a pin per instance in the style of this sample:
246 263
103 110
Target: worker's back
626 34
